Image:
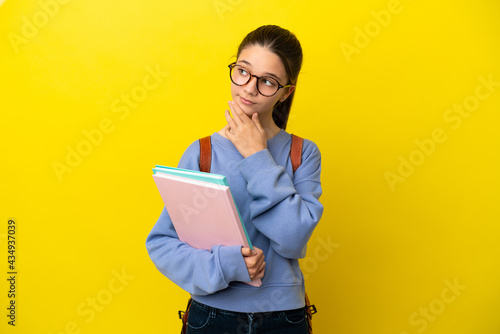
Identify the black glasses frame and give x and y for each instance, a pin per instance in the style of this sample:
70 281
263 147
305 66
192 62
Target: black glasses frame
233 65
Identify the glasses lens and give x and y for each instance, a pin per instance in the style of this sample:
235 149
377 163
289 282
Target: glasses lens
239 75
267 86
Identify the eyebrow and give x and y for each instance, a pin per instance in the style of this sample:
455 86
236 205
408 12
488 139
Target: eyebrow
269 74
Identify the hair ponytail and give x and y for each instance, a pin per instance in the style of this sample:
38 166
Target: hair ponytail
281 111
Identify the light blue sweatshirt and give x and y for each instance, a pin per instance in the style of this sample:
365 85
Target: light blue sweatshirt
280 210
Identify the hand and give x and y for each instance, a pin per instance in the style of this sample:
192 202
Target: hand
254 259
246 133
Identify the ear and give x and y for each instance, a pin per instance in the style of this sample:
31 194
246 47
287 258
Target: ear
287 94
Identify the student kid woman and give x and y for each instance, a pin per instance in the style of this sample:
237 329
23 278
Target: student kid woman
279 208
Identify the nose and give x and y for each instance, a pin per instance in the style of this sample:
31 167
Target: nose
251 87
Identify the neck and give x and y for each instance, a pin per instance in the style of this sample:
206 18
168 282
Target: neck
269 126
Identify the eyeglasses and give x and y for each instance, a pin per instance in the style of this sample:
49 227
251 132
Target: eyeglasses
266 86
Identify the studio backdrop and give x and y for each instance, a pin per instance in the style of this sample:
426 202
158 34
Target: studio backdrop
402 98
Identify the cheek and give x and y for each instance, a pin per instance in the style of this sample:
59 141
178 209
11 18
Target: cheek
273 101
235 90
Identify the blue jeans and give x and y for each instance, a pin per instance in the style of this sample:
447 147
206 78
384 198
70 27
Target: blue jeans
204 319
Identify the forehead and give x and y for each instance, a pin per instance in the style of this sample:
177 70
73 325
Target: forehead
262 61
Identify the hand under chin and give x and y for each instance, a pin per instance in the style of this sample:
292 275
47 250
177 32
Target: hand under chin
246 109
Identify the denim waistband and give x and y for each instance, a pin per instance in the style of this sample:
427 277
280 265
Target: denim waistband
236 314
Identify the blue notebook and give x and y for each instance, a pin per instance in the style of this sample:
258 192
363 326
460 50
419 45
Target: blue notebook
192 174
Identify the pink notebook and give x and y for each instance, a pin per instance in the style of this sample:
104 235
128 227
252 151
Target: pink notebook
203 213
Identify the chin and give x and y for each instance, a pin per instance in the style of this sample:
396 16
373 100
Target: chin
246 109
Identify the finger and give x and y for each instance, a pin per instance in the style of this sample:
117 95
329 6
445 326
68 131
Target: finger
258 273
261 272
235 112
229 135
229 120
258 251
255 119
257 259
247 252
259 265
252 263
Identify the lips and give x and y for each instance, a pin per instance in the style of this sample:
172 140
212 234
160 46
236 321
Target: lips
245 101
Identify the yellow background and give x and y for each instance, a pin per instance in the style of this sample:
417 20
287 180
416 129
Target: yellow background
383 256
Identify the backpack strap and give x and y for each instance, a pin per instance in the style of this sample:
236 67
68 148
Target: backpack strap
183 315
310 310
296 151
205 154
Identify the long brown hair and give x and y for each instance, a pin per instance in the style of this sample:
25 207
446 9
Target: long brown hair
284 44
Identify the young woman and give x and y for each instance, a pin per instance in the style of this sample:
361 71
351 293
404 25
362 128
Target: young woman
279 208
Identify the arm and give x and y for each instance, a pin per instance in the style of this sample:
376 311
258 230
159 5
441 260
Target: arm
283 210
197 271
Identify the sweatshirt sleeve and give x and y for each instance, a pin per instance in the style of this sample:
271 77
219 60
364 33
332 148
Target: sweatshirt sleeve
285 209
198 271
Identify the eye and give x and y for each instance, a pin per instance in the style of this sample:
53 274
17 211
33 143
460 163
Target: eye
242 71
269 82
